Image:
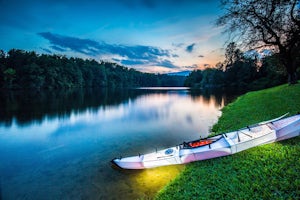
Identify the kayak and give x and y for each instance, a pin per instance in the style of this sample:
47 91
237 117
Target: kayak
224 144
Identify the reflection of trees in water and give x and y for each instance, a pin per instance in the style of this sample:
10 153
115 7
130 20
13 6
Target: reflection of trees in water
219 96
28 105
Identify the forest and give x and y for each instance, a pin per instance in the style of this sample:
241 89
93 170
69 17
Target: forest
21 69
242 70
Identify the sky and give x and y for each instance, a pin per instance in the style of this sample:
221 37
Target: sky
158 36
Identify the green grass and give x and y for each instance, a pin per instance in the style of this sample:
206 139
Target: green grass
266 172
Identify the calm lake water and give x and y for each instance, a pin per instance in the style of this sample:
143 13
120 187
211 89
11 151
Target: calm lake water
58 145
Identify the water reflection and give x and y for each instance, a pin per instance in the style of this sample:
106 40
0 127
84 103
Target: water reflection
58 145
25 106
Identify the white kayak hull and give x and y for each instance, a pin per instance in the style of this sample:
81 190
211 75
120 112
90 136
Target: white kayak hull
217 146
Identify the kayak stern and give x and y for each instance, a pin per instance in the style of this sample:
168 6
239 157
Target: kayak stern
134 162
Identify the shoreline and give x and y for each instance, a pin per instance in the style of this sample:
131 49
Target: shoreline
265 172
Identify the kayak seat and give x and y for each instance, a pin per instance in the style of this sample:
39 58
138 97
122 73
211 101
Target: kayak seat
200 143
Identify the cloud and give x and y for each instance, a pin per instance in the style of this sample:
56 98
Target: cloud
190 48
124 54
57 48
46 50
168 64
131 62
179 45
194 66
63 43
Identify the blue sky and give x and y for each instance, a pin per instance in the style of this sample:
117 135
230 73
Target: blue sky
148 35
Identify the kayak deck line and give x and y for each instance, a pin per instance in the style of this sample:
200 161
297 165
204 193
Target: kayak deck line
224 144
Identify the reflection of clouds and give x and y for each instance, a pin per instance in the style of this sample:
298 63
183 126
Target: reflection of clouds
155 112
34 131
210 100
195 113
173 110
109 113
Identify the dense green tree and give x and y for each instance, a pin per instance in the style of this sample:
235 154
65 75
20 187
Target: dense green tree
9 76
2 66
232 55
194 79
241 72
271 73
32 76
211 78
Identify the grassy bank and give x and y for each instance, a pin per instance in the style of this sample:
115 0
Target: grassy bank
266 172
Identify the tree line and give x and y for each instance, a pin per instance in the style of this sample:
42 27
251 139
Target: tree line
21 69
239 70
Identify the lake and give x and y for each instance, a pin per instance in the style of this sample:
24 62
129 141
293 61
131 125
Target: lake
58 144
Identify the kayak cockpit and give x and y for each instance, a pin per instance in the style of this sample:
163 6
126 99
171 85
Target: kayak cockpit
201 142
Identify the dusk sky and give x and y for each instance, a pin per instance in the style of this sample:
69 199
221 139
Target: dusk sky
148 35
